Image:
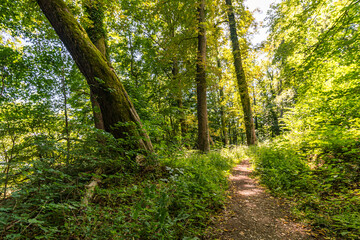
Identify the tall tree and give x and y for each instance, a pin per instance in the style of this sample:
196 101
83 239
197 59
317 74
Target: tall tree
119 115
179 97
203 126
224 131
241 79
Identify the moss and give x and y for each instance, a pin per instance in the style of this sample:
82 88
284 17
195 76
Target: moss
115 105
94 23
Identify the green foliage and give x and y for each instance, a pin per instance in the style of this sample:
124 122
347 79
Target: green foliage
322 183
280 168
49 152
174 202
174 205
48 188
310 89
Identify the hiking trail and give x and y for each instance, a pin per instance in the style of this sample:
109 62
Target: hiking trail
253 214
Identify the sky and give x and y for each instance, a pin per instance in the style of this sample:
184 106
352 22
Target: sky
263 6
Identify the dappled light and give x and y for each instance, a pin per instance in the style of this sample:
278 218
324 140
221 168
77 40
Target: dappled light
240 177
253 214
180 119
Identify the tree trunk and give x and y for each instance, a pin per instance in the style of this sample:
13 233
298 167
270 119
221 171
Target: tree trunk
179 97
8 160
67 129
96 32
275 123
254 101
240 76
133 68
119 115
182 116
222 109
223 119
229 133
98 118
203 128
179 91
275 120
7 169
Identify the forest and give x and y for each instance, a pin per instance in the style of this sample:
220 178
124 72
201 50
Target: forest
123 119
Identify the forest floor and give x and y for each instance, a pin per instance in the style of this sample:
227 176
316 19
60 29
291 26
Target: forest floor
253 214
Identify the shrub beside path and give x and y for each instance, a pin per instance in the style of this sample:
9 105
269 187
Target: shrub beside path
253 214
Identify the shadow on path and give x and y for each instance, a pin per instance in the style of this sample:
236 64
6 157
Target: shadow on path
252 214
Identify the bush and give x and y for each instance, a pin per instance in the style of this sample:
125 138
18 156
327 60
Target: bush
320 178
173 202
282 169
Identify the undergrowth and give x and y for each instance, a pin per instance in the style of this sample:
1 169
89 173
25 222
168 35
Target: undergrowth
174 201
321 180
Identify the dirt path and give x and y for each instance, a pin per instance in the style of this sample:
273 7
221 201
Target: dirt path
252 214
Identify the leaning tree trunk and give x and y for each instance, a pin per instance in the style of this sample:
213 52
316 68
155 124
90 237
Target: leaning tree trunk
203 127
240 76
119 115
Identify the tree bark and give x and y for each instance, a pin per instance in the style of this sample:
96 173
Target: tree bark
254 101
223 119
222 109
98 118
240 76
203 127
179 96
275 128
96 31
119 115
97 35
